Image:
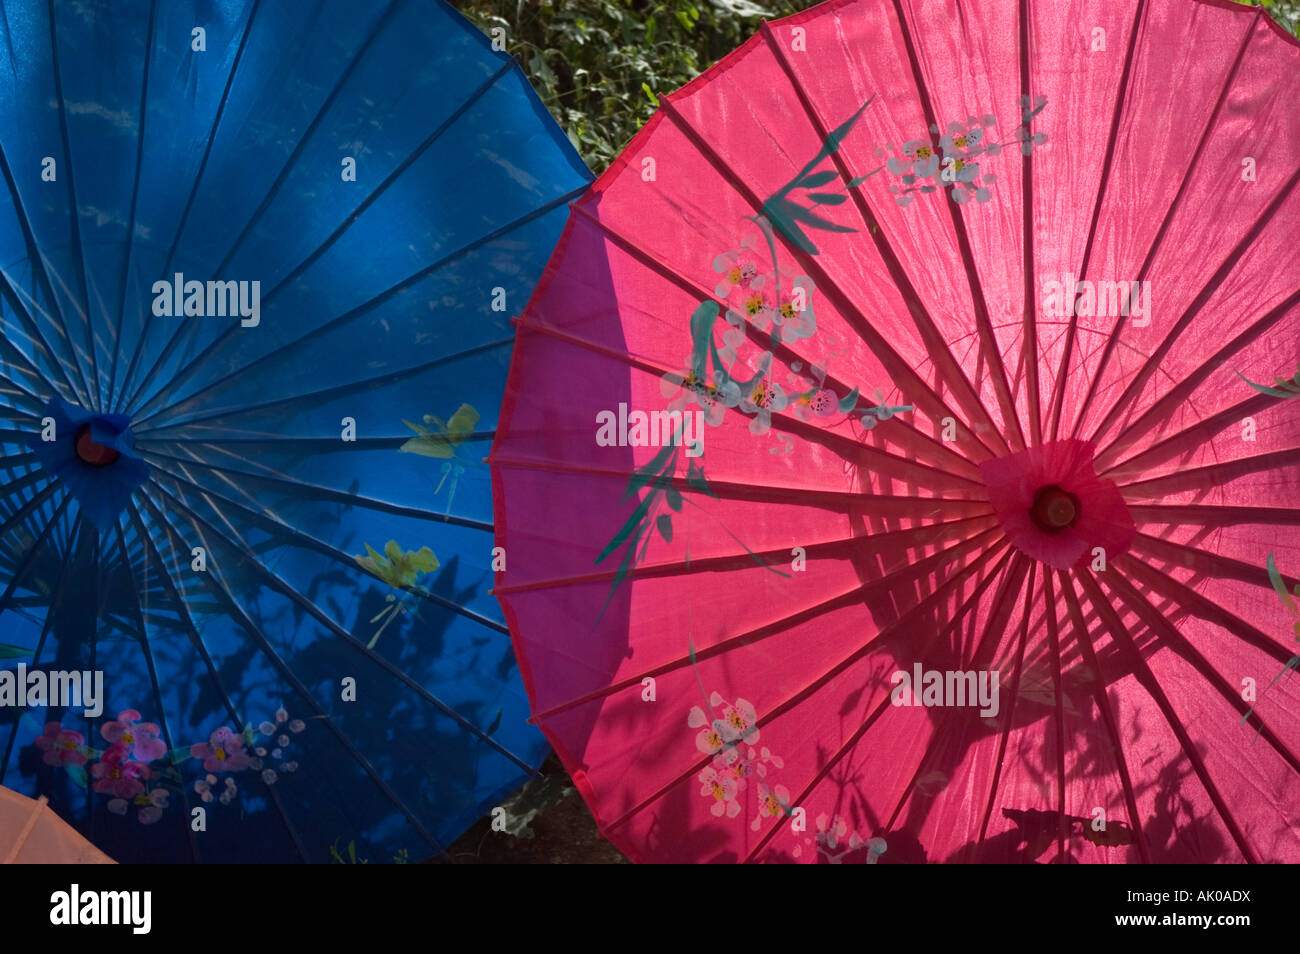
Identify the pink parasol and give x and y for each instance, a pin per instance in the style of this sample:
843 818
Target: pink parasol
900 461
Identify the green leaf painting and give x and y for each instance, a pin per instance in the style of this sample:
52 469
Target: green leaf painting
1291 603
400 569
397 567
1284 388
788 216
439 439
658 477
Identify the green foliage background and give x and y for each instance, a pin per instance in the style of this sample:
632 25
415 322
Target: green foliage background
599 64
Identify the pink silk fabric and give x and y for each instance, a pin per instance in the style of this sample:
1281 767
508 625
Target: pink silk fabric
731 695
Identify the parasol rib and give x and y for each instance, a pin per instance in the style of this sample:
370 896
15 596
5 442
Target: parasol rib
143 630
895 506
186 372
847 598
1163 407
277 479
1156 619
220 591
1176 445
939 351
988 340
784 352
56 595
849 449
884 706
1058 389
268 520
876 342
1102 701
1202 606
1058 707
111 393
189 204
9 291
881 637
1200 479
284 589
843 547
1093 383
186 619
315 398
1139 379
380 25
1029 351
74 219
1148 681
15 355
1016 672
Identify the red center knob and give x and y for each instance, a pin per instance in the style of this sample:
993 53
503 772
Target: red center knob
92 453
1054 509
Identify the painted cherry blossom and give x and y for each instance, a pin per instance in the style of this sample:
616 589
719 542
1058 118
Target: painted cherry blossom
835 842
709 739
149 805
684 389
140 739
764 760
223 752
738 268
116 774
61 746
740 722
765 397
722 789
772 802
740 769
919 159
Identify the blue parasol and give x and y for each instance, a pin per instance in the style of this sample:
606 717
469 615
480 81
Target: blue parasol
257 264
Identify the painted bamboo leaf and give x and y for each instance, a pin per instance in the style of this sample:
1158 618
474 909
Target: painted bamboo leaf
643 475
815 180
633 523
702 320
623 569
664 523
1284 389
695 480
779 211
1279 585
